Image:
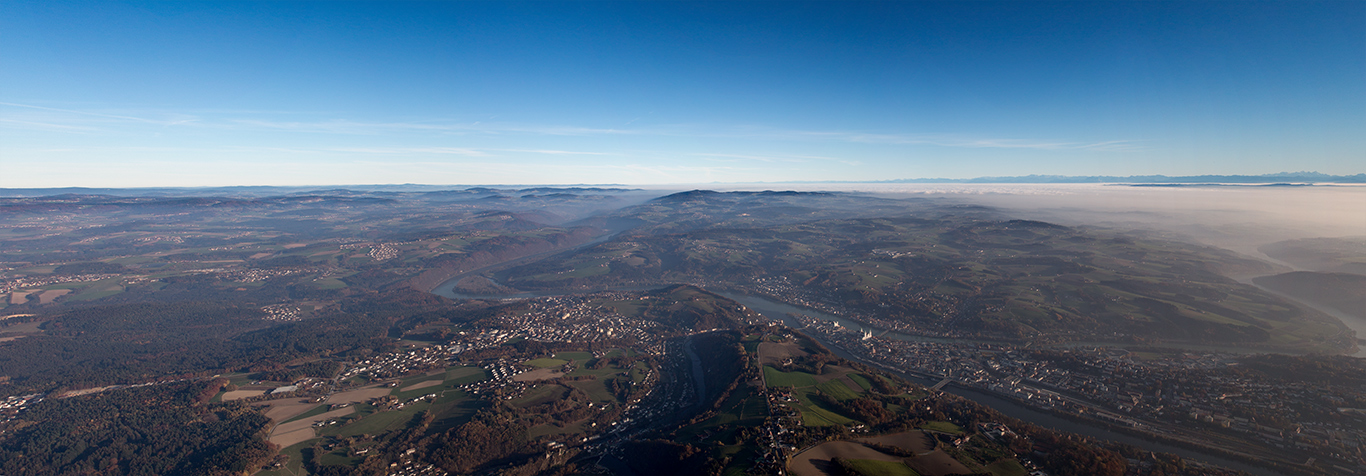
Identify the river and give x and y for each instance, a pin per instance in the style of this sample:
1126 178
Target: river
1355 323
779 311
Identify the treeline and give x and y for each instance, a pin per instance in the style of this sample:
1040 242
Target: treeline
867 410
665 458
495 434
182 320
621 361
1058 453
153 430
316 369
199 288
132 343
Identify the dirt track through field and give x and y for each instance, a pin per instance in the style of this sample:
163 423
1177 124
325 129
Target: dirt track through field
291 433
281 410
240 394
429 383
907 440
773 353
293 438
18 297
359 395
538 374
295 432
937 463
51 294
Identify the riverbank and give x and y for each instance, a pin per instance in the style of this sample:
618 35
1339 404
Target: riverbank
780 312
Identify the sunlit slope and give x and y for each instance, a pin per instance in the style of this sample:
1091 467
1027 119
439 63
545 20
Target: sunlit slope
1344 255
954 272
1345 292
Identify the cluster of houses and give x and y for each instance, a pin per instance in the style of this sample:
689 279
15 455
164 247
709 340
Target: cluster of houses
402 362
1114 386
11 406
281 312
33 282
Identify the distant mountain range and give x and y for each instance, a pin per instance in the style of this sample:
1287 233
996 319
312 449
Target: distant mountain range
1277 178
329 190
1283 178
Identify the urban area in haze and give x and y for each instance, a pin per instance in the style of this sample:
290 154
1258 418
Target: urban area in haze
683 238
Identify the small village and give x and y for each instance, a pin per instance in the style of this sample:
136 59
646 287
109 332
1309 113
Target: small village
1184 398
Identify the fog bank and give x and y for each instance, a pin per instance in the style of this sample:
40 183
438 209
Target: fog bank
1238 218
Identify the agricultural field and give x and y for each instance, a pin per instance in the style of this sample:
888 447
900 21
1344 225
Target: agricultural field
811 401
376 409
810 392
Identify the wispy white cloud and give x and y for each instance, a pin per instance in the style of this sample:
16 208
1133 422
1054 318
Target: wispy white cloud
1115 145
760 158
554 152
45 125
780 158
942 140
372 128
331 127
410 150
566 130
177 120
53 117
75 121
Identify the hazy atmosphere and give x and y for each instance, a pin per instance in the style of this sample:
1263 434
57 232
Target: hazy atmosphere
1235 217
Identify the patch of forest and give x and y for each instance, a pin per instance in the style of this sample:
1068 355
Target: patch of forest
153 430
133 343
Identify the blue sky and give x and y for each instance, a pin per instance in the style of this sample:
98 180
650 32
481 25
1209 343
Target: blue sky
302 93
